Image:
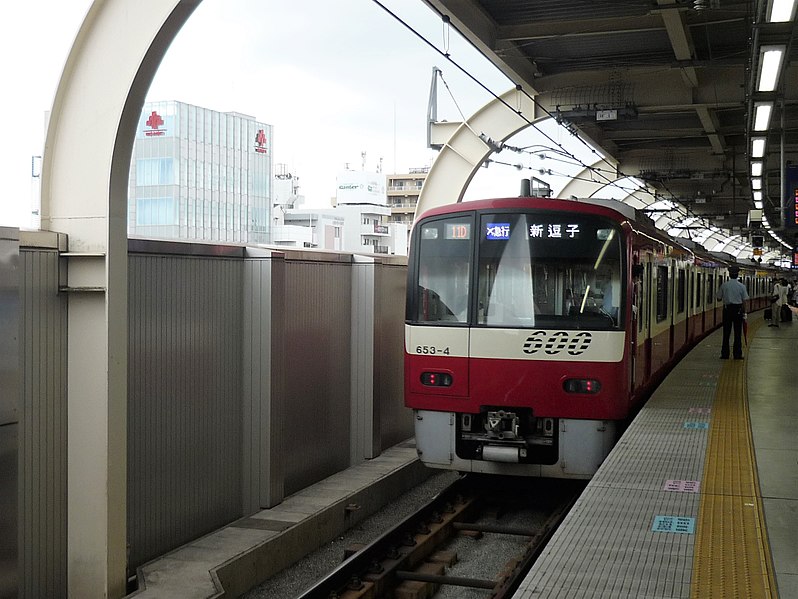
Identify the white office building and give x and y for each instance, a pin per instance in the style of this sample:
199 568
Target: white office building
198 174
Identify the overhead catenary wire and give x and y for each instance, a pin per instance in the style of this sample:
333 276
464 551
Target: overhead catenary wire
568 127
571 130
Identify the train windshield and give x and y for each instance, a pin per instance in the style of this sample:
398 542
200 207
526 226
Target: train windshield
549 269
446 248
535 269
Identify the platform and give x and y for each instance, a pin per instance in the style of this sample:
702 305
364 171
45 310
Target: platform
230 561
699 498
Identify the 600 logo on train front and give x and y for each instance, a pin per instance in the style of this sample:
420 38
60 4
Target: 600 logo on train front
557 342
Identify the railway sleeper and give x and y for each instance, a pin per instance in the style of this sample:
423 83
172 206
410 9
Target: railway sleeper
417 585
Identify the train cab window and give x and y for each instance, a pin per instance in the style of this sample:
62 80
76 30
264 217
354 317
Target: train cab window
549 269
443 271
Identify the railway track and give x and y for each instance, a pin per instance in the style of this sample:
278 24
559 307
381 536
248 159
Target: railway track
477 538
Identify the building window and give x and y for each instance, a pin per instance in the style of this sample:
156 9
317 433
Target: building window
155 211
155 171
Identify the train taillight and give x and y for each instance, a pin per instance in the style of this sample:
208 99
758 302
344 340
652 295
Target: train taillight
436 379
581 386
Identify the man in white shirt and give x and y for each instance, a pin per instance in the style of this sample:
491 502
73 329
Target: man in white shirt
734 296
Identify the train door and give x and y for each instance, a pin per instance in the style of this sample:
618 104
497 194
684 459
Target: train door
699 302
681 309
649 300
673 273
690 304
636 316
709 299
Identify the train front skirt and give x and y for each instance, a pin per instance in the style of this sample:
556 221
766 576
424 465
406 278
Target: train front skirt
582 446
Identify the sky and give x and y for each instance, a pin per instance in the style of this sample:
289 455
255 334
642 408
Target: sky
337 80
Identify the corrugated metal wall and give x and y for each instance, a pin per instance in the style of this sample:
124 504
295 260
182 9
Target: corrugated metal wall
316 404
213 434
184 399
43 438
10 416
395 421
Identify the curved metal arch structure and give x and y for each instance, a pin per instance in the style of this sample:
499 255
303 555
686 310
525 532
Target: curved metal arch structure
465 152
585 183
84 194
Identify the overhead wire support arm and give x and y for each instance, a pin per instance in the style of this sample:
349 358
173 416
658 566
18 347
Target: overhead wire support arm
432 108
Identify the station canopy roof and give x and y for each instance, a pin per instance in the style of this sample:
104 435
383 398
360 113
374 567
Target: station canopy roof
670 90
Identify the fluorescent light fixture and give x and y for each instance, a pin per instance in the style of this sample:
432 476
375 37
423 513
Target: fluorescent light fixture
769 67
756 169
756 183
762 112
758 198
758 147
758 205
781 11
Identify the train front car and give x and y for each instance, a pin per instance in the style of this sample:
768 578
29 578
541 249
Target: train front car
516 353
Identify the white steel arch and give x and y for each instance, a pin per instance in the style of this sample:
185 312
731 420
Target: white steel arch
84 194
586 183
464 152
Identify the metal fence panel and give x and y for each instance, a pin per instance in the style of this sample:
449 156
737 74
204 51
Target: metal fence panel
184 400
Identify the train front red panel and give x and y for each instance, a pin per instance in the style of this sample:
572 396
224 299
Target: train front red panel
519 384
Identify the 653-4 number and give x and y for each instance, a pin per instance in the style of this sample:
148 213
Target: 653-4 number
432 350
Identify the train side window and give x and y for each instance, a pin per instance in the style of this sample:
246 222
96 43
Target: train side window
662 293
681 291
642 299
698 279
710 288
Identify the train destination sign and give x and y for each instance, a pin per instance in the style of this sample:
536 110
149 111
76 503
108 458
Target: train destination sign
457 231
497 231
501 231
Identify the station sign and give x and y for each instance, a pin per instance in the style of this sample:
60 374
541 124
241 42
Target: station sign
791 218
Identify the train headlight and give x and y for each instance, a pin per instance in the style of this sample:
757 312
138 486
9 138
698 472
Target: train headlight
436 379
581 386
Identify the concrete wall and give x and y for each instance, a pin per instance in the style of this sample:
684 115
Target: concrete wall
241 386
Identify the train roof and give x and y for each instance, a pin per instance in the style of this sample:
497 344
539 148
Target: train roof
627 211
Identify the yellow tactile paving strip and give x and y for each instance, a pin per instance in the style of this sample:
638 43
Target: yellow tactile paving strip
731 556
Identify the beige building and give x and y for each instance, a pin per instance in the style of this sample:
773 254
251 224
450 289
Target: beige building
403 191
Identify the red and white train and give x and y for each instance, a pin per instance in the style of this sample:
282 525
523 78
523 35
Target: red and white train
536 327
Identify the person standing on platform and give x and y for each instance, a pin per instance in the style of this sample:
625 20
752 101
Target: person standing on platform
776 300
734 296
786 290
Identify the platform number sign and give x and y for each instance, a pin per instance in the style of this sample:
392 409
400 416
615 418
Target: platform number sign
794 206
791 219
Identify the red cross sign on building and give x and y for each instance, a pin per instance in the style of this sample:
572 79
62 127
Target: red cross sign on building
154 122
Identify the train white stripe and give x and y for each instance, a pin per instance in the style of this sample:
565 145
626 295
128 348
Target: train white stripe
516 344
437 341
